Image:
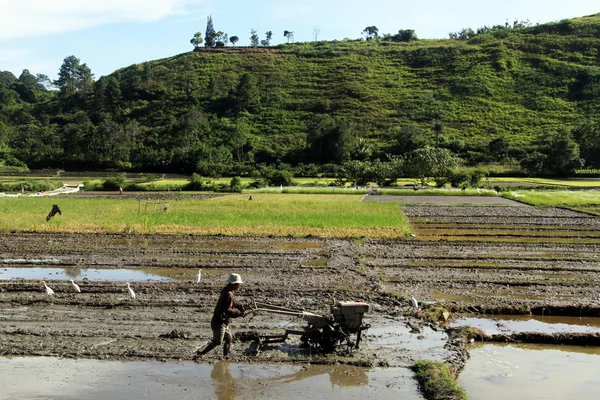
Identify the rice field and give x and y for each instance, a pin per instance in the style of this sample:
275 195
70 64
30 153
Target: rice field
264 215
562 198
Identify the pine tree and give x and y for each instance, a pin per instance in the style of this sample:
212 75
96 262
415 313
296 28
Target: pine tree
210 36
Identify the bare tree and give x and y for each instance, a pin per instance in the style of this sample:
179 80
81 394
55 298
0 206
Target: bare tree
316 32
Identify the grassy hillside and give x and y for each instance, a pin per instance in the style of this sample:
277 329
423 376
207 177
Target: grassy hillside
326 102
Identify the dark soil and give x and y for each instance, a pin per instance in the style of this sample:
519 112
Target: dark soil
169 320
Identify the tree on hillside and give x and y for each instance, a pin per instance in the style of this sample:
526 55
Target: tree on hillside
403 35
587 135
220 38
562 154
247 93
267 41
316 32
210 35
431 163
44 81
329 139
234 40
74 77
371 32
463 34
196 40
289 35
254 40
6 79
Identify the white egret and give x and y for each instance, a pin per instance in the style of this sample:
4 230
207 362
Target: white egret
49 291
199 276
75 286
131 292
414 302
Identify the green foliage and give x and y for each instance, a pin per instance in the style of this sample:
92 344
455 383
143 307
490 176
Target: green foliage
467 177
236 183
437 381
254 40
210 35
196 183
494 98
431 163
197 40
114 183
30 186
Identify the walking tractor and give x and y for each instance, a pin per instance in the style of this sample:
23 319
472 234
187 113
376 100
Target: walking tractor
342 328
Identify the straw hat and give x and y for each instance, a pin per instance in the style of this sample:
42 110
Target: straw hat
234 278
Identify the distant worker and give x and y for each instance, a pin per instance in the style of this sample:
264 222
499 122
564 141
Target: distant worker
120 190
55 210
226 309
22 189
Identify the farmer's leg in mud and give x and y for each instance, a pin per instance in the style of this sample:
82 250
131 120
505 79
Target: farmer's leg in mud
219 331
227 342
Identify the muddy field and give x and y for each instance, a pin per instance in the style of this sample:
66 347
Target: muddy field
472 259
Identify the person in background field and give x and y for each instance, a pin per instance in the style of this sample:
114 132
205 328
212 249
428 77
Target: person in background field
120 190
226 309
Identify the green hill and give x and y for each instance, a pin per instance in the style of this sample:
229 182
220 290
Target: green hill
497 95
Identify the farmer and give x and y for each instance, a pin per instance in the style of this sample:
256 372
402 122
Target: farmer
226 309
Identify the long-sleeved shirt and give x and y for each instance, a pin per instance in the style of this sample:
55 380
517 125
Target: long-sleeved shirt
226 307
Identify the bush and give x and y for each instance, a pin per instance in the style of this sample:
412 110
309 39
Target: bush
30 186
196 183
236 183
114 183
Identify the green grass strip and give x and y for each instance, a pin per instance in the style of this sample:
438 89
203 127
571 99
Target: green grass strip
437 382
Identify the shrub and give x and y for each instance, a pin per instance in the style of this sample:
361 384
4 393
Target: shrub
236 183
113 183
196 183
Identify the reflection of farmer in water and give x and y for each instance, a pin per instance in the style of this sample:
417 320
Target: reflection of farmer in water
339 375
226 309
225 383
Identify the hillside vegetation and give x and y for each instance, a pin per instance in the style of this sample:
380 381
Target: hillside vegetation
495 97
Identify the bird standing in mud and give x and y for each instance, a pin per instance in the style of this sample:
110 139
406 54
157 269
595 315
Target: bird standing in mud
49 292
131 292
199 276
414 302
75 286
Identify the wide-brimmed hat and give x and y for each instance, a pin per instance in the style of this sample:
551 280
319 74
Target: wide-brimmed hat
234 278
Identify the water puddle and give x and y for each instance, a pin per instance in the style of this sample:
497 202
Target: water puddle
507 324
457 298
396 336
317 263
498 372
30 261
57 378
129 275
513 295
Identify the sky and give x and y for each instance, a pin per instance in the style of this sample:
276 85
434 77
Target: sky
110 34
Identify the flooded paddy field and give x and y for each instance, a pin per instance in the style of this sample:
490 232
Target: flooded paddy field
59 378
531 372
544 262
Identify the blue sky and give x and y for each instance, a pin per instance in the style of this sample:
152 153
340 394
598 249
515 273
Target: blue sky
110 34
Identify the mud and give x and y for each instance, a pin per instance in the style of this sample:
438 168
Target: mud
102 322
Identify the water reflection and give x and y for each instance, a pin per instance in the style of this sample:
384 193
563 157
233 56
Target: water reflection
340 376
226 388
70 379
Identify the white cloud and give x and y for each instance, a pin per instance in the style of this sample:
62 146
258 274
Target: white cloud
31 18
